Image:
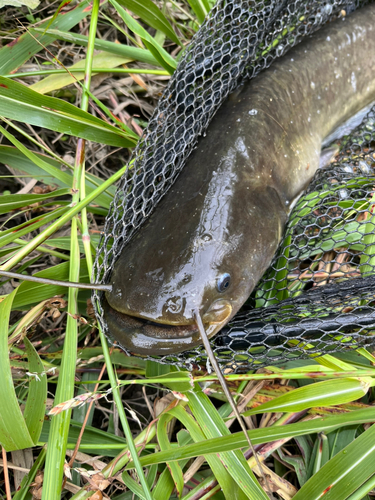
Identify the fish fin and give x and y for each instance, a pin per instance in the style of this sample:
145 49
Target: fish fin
348 126
327 155
293 203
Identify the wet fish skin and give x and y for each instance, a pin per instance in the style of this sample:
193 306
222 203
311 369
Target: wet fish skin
226 212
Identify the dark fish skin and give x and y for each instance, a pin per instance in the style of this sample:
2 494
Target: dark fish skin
226 212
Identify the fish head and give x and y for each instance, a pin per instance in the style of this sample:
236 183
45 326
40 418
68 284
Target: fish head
203 248
169 270
155 289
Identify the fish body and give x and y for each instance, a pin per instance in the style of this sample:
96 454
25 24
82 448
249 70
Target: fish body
214 234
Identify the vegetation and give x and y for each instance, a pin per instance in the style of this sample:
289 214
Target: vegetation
79 419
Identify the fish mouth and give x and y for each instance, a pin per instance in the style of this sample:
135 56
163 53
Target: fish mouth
145 337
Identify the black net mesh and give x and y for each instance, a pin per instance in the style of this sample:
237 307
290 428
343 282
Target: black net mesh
316 296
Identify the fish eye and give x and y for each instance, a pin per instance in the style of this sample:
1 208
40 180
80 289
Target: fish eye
223 282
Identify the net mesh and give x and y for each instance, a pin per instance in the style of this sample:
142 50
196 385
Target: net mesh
309 301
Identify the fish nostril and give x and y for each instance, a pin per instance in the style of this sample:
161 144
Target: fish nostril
175 305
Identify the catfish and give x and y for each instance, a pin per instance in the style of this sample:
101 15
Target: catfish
213 235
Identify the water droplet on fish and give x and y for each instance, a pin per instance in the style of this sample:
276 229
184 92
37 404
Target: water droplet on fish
206 237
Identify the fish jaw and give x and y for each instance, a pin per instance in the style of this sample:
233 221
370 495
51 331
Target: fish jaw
140 336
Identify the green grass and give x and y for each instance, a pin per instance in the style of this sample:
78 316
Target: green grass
311 419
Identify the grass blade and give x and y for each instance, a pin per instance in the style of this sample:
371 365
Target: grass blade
49 112
50 174
200 8
326 393
34 243
23 490
36 401
141 55
14 233
213 426
17 52
237 440
161 55
58 436
151 15
226 482
30 293
54 82
13 201
345 473
14 434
